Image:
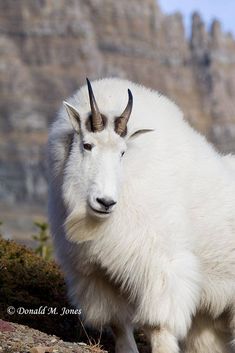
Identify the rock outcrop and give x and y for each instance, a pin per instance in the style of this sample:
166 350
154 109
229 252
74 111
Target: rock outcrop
49 47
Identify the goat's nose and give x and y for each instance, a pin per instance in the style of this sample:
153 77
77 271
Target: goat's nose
107 203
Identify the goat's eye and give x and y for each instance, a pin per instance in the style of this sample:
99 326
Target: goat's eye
87 146
122 154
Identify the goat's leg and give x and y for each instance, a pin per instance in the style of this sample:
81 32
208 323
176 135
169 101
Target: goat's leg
124 338
162 340
207 335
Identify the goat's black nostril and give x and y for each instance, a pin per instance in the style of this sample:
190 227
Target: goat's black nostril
107 203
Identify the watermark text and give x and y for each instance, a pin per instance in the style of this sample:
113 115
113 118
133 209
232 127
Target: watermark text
43 310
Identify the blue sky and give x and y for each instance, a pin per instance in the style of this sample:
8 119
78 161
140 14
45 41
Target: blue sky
223 10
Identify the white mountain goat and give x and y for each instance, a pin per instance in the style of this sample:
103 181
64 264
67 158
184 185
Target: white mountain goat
142 212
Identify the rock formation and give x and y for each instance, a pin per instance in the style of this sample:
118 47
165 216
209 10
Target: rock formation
49 47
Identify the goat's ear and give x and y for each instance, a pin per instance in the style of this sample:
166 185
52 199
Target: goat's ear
140 132
73 116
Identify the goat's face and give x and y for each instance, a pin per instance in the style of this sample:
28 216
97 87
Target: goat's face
102 167
102 144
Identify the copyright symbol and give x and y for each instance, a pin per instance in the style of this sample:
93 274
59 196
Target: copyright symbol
11 310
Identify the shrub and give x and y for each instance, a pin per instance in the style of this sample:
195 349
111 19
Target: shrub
27 280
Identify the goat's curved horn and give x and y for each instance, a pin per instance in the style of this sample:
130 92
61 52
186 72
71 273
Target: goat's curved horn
97 121
124 117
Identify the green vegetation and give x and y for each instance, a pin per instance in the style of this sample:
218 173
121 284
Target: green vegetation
44 248
0 229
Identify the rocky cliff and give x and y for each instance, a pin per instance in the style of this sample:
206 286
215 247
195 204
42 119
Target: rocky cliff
47 49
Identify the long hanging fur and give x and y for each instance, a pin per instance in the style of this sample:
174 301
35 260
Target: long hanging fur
168 250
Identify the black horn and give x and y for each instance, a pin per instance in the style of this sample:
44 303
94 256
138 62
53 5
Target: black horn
97 121
122 120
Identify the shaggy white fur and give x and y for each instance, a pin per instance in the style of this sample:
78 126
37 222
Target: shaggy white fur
168 248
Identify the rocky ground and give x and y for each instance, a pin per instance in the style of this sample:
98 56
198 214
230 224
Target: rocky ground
15 338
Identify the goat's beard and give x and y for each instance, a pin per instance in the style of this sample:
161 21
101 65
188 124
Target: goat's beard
80 226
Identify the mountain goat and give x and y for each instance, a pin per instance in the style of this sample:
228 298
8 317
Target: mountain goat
142 212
